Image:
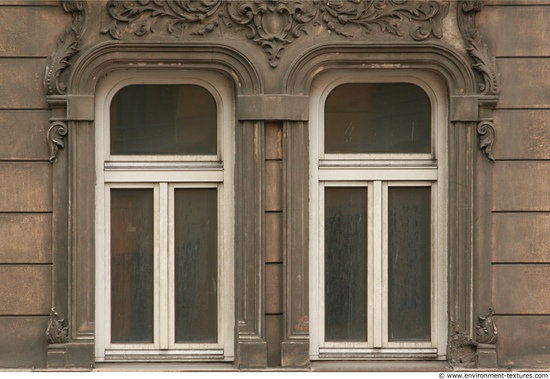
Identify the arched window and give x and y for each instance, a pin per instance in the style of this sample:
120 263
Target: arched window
164 217
378 218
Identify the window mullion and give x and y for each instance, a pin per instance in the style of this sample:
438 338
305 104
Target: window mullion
162 239
106 294
322 260
171 275
371 301
378 246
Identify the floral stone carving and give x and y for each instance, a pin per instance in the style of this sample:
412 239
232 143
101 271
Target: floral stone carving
484 62
57 332
486 331
67 47
273 24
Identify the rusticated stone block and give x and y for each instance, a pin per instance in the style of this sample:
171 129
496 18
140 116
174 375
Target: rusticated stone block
521 237
273 288
25 290
524 342
273 237
522 134
25 187
22 79
273 186
26 238
24 135
522 186
40 27
274 335
524 83
23 344
494 24
521 289
273 140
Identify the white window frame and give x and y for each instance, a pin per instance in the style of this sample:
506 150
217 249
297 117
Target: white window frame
377 172
165 173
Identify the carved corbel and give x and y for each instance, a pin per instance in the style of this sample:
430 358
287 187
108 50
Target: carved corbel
56 132
486 331
486 132
57 331
486 338
484 62
67 47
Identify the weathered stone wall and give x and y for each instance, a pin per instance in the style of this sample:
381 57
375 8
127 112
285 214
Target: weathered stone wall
28 33
517 32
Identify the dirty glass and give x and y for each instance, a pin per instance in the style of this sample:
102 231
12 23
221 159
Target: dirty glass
132 265
409 263
377 118
345 264
196 268
163 120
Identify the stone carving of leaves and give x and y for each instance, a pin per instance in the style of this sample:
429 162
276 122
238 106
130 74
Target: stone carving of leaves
273 24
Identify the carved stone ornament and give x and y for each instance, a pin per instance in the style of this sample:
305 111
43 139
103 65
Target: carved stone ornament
486 131
57 332
273 24
67 47
486 331
484 62
56 132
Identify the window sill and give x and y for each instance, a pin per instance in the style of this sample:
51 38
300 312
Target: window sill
382 366
165 366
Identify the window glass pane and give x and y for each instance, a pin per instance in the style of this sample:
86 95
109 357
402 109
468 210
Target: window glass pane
132 265
377 118
163 119
196 250
409 268
346 264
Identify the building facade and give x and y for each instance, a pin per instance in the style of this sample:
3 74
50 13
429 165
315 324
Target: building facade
275 184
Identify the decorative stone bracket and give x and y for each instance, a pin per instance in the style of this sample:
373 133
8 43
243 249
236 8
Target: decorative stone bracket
486 131
67 47
486 331
57 331
58 62
486 338
56 132
485 64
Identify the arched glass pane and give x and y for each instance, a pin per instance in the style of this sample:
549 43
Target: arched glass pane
377 118
163 120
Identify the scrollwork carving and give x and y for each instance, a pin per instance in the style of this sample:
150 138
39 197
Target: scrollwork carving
56 132
67 47
484 62
486 131
486 331
275 24
426 16
57 331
